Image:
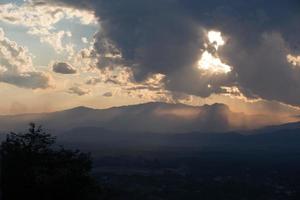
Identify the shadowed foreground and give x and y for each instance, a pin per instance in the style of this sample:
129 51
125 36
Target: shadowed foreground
188 166
33 167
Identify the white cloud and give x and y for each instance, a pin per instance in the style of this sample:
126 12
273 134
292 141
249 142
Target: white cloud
54 39
40 21
215 38
121 79
16 66
86 59
294 60
84 40
211 64
30 15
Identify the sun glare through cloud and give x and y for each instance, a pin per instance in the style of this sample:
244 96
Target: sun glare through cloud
212 64
294 60
209 62
215 38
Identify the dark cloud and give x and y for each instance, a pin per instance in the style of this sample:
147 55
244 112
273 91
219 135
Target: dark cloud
63 68
167 37
261 34
78 90
264 71
107 94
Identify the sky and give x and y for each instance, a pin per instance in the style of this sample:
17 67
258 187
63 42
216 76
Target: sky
59 54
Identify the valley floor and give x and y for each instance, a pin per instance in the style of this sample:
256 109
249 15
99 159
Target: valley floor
200 175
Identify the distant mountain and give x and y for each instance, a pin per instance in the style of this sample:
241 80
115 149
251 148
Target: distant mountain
274 128
96 139
156 125
150 117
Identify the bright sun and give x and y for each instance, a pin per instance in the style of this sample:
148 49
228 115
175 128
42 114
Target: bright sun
215 38
210 63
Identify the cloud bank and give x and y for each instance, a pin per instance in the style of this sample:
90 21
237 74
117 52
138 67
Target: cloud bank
168 37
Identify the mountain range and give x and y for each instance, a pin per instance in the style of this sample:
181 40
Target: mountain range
150 117
161 125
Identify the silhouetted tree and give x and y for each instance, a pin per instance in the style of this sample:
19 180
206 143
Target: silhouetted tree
33 167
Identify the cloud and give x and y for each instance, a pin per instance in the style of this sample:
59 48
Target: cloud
63 68
107 94
16 66
84 40
169 38
78 90
31 80
42 15
294 60
41 20
263 69
86 58
93 81
54 39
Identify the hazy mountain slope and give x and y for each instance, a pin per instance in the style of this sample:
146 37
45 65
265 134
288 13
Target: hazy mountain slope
150 125
95 139
149 117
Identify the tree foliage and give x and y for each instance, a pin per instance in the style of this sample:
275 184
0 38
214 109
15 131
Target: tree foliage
34 167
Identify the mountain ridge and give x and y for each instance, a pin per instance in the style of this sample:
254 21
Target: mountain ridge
154 117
